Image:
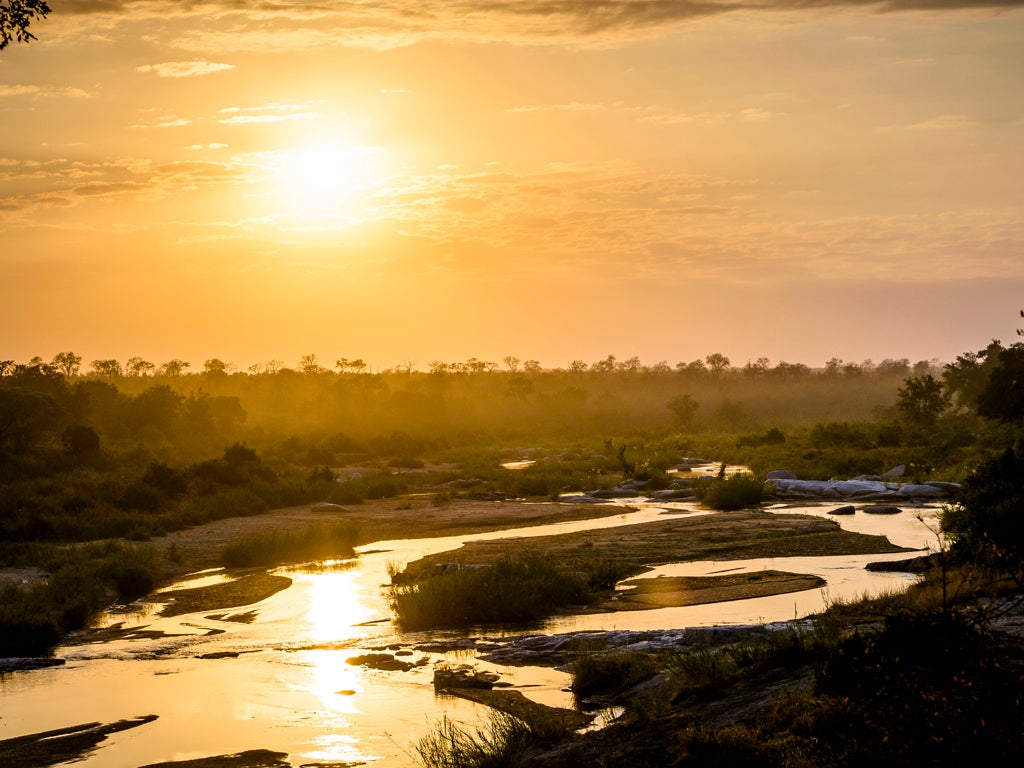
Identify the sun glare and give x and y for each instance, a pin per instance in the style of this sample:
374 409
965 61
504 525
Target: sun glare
325 179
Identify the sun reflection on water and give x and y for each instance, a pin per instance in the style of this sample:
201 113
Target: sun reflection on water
335 605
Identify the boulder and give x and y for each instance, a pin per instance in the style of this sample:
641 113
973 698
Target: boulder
613 493
895 472
849 509
781 474
464 676
882 509
922 491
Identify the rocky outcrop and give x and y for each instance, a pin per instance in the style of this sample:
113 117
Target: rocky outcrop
864 488
26 664
464 676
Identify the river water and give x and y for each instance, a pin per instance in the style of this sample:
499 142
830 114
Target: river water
290 689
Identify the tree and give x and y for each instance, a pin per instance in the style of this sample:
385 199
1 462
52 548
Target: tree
921 400
968 375
67 363
987 522
1002 398
110 368
15 18
174 367
685 408
717 362
532 366
216 367
136 366
309 365
511 362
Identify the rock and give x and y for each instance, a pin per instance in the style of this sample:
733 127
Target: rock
383 661
915 490
895 472
849 509
949 487
27 664
781 474
581 498
219 655
464 676
326 506
679 494
912 565
882 509
613 493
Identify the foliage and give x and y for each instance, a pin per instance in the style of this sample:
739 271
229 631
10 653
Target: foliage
16 16
1003 395
318 542
82 582
927 689
500 743
732 492
987 522
921 400
610 673
514 589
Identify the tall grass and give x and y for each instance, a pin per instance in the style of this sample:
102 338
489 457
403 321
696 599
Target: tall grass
500 742
523 587
732 492
317 542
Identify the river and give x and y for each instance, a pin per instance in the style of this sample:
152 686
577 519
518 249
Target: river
290 689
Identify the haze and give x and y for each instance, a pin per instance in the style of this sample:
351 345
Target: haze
416 181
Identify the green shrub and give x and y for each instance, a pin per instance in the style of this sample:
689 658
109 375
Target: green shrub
516 588
732 492
318 542
610 673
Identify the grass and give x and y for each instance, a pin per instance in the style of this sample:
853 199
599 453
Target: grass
523 587
83 580
501 742
318 542
732 492
610 673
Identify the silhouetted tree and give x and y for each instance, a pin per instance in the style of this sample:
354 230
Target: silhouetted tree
921 400
15 18
215 367
685 408
717 362
110 368
1003 396
67 363
174 367
136 366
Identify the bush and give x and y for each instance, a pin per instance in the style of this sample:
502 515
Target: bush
318 542
732 492
610 673
516 588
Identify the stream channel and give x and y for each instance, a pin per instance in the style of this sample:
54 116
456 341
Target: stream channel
291 690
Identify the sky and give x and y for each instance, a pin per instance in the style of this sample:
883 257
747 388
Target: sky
405 181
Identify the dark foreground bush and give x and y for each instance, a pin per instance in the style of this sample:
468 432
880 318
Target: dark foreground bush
318 542
520 588
83 581
610 673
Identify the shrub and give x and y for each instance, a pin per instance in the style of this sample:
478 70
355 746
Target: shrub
732 492
318 542
516 588
610 673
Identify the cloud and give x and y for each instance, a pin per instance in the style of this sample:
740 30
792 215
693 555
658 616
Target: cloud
18 90
185 68
392 23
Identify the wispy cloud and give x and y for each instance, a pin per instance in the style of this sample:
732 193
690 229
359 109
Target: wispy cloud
185 68
391 23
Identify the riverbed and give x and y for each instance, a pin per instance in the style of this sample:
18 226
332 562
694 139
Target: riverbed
280 678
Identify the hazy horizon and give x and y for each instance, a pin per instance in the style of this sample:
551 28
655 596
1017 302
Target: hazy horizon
414 181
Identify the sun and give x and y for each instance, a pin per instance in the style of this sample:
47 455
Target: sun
325 179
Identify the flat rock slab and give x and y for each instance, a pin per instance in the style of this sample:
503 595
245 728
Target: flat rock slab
516 704
677 591
62 745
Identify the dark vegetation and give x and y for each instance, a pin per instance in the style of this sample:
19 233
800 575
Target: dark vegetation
127 452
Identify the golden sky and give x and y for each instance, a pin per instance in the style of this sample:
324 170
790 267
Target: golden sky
418 180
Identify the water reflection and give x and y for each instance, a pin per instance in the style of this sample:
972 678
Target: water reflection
291 688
